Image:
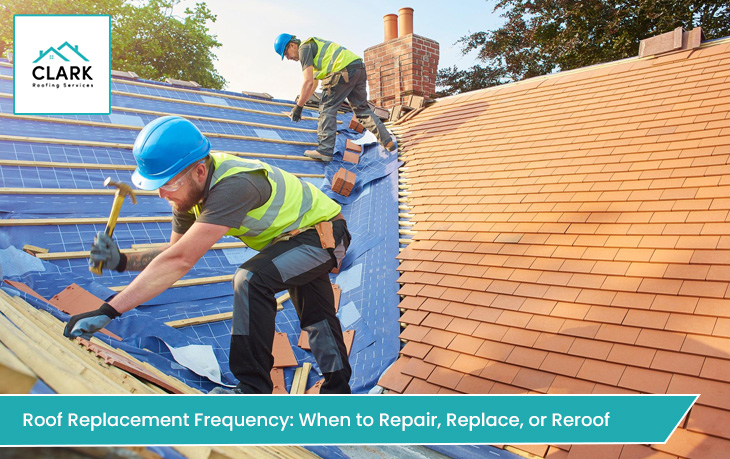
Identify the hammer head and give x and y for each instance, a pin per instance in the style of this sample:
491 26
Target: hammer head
122 189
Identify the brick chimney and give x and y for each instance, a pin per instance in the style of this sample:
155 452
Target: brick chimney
401 66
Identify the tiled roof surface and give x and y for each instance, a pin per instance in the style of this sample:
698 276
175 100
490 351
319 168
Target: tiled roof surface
573 236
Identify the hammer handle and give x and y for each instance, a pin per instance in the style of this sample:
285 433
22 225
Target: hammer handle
110 225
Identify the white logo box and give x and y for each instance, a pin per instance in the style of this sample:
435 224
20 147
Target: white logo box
62 65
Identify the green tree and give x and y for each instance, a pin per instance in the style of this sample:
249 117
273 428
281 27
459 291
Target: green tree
543 36
146 38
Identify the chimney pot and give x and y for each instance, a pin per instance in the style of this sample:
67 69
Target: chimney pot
405 21
390 23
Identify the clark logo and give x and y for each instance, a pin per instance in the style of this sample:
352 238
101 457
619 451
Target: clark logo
62 64
62 71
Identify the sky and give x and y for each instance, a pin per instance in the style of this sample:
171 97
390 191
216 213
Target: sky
247 29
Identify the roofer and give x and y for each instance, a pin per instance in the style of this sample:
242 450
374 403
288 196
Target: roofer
272 211
343 76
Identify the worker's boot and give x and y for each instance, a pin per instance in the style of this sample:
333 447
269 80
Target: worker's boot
314 154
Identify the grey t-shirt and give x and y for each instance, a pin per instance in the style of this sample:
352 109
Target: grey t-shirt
307 51
228 202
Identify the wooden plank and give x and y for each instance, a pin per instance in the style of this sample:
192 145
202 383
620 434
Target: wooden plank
57 164
212 119
135 248
299 383
189 282
217 317
33 250
19 163
128 146
69 191
15 376
80 221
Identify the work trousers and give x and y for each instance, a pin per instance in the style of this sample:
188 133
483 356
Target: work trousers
355 91
302 266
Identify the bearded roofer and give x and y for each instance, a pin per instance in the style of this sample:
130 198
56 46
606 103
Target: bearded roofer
343 76
217 194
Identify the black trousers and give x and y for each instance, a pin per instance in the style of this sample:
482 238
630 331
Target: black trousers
302 266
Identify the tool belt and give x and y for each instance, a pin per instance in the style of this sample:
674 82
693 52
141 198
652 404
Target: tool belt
330 81
326 238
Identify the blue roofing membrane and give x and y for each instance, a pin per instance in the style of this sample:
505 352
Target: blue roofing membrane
368 278
369 301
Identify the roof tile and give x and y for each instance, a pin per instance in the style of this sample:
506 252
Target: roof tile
415 349
602 372
394 378
445 377
470 384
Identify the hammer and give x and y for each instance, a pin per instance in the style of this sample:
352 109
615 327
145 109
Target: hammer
122 190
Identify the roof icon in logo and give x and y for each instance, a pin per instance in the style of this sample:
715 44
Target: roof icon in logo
53 52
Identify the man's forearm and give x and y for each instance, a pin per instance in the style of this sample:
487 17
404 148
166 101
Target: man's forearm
308 88
137 261
161 274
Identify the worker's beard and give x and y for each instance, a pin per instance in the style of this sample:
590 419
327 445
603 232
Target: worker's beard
187 202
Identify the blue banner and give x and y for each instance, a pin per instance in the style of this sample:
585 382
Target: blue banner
92 420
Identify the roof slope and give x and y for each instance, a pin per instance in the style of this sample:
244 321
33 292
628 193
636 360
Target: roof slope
52 170
573 236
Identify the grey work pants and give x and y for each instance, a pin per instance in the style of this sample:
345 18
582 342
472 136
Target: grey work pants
355 91
302 266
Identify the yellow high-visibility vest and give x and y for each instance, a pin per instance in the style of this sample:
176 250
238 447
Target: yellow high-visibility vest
330 57
293 204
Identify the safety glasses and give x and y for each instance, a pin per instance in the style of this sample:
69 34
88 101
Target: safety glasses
174 186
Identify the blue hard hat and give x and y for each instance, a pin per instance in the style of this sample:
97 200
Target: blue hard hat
280 43
163 148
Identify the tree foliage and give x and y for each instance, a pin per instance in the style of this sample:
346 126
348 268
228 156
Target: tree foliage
543 36
146 38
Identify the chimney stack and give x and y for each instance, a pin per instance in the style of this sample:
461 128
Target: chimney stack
403 65
405 22
390 23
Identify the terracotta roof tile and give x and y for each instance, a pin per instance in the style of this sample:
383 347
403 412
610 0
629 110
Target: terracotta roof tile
595 451
538 381
434 320
419 386
661 339
602 372
709 420
445 377
469 364
417 368
470 384
684 443
465 344
394 378
579 328
501 372
643 380
643 452
554 342
520 337
413 317
650 319
713 368
441 357
592 349
414 349
490 331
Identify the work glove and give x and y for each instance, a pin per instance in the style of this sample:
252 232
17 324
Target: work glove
88 323
296 113
105 250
